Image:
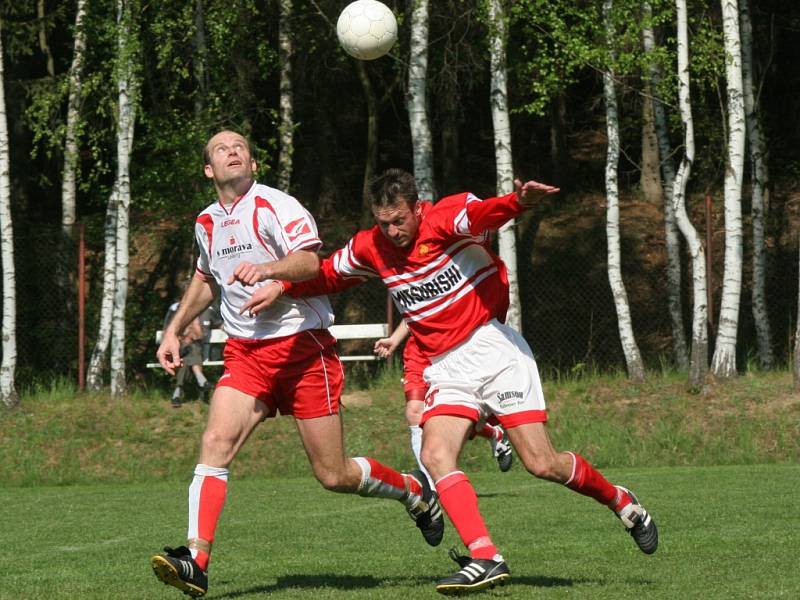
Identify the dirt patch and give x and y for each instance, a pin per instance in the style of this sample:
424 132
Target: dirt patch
357 399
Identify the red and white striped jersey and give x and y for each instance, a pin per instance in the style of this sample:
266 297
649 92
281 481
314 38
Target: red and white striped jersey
446 284
262 226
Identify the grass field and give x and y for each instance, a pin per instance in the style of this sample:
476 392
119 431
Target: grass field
726 532
92 487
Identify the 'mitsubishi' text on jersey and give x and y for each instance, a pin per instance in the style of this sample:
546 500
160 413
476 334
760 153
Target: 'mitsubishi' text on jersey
262 226
445 284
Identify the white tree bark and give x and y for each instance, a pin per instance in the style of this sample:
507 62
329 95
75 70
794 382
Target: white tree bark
671 233
698 366
68 179
759 176
796 361
724 362
498 98
126 86
8 365
416 100
286 102
94 373
630 348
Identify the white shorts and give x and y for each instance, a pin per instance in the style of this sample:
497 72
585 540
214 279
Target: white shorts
492 373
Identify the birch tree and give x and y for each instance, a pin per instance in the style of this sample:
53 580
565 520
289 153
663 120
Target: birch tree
498 98
286 126
8 364
126 87
69 173
416 101
671 233
698 364
796 358
759 199
630 348
723 363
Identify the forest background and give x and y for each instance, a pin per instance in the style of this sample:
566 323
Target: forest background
157 79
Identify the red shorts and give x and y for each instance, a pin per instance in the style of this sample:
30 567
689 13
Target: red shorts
299 374
414 363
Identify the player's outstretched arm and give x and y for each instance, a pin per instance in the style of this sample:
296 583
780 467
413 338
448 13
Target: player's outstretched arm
385 347
297 266
262 299
530 192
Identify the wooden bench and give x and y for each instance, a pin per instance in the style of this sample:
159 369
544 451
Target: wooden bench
361 331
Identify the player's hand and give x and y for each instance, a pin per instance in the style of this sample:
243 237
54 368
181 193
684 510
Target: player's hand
169 352
530 192
250 274
384 347
262 298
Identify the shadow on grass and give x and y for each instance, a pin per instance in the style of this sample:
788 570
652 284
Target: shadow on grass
362 582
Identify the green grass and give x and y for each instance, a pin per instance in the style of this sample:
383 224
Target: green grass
726 532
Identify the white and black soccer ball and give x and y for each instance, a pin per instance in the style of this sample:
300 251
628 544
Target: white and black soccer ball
366 29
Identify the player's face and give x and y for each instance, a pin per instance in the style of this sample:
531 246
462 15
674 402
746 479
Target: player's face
398 222
230 158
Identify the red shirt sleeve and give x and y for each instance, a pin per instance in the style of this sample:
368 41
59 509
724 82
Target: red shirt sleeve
492 213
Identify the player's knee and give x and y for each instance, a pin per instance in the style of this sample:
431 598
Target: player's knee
542 467
218 444
333 480
413 413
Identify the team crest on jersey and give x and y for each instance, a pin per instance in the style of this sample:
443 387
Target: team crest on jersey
232 241
297 228
423 249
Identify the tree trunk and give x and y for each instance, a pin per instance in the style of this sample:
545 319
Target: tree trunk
759 176
724 362
671 233
416 101
8 364
200 59
498 98
559 156
371 164
796 361
650 180
286 127
68 181
94 373
698 366
43 45
630 348
127 87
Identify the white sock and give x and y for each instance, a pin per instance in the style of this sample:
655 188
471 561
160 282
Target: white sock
201 379
416 447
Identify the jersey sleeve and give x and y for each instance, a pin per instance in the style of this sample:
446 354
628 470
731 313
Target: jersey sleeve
203 230
476 217
284 220
345 268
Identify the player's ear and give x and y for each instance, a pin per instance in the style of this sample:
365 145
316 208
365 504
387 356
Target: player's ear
253 166
208 171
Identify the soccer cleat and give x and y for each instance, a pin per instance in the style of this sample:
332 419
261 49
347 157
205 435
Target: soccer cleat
503 452
177 568
175 401
639 523
426 512
476 574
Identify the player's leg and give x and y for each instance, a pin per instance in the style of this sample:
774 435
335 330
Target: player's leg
232 417
501 447
414 405
180 380
444 438
322 439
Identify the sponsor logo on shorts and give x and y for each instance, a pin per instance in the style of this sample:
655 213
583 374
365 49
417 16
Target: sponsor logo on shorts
502 396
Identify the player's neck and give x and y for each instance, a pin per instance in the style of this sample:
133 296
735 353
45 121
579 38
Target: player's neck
230 191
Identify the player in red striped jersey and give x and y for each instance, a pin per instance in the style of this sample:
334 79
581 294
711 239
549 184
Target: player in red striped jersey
279 361
453 292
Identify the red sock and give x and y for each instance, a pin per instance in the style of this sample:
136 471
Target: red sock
459 500
378 480
588 481
206 501
488 431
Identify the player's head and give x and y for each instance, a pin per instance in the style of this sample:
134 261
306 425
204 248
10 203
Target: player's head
393 196
227 158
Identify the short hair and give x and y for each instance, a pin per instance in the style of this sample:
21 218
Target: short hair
207 155
392 186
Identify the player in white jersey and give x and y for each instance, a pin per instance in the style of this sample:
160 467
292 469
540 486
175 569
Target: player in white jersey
453 292
281 360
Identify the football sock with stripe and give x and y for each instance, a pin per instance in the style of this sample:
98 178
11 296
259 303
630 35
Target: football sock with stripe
206 501
459 500
590 482
380 481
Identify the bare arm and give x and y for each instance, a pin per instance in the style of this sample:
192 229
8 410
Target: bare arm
297 266
385 347
198 296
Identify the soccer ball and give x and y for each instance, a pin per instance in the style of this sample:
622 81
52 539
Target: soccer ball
366 29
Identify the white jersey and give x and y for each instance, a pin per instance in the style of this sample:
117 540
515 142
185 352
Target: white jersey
262 226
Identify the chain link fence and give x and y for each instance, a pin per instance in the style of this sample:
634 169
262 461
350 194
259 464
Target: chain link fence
567 308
